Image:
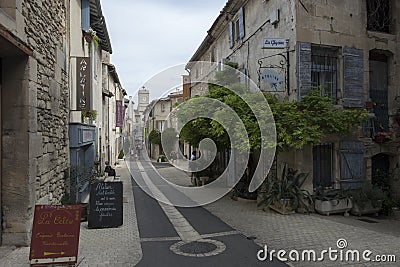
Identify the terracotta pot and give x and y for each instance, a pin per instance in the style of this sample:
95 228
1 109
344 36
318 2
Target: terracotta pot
369 105
88 38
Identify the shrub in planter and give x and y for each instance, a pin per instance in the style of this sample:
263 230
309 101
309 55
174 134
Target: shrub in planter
121 154
162 158
285 195
367 200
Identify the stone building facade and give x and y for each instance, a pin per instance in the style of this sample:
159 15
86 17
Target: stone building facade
34 112
350 49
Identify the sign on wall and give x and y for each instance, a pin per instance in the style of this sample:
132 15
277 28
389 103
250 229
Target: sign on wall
55 234
83 83
273 43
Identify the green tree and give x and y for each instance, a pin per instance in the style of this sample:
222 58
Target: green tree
298 123
155 137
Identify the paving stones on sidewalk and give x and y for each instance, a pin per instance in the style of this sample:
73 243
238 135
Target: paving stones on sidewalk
98 247
304 232
113 246
308 232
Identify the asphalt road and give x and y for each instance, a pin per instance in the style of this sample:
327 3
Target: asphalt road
161 236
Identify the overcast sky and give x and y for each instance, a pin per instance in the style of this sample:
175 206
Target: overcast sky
148 36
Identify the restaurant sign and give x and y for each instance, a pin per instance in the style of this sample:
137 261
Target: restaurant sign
55 235
83 83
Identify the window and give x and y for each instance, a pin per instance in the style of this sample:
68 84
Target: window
378 89
160 126
324 70
236 28
379 15
85 15
323 166
162 107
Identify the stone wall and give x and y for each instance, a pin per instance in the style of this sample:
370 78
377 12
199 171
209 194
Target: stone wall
35 95
46 29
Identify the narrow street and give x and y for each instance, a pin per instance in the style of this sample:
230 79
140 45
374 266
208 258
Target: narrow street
186 236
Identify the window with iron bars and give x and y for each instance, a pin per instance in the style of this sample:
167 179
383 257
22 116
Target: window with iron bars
324 69
379 15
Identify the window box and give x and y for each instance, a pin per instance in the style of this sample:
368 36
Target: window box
383 137
331 206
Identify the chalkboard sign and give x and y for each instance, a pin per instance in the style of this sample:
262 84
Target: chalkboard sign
105 205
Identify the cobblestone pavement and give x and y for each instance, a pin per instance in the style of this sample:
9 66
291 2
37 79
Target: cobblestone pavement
306 232
98 247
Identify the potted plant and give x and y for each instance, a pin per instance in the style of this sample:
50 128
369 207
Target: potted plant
162 158
88 115
121 156
383 137
285 195
91 36
367 200
333 201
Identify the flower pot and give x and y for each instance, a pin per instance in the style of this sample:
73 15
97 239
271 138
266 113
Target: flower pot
88 38
369 105
283 206
327 207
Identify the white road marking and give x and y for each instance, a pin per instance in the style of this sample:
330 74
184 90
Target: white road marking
184 229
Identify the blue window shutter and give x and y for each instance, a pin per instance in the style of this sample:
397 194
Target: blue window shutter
353 87
231 37
85 10
241 23
303 51
352 165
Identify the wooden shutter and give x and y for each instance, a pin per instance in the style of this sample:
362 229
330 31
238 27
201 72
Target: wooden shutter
303 69
231 35
241 23
353 87
352 165
85 15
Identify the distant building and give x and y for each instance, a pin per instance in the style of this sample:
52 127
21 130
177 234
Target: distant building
158 118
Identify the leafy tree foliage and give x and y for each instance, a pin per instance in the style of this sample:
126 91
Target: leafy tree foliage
298 123
155 137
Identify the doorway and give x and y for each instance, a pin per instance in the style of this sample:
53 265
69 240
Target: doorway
380 171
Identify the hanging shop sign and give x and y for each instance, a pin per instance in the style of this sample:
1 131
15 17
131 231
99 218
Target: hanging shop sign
83 83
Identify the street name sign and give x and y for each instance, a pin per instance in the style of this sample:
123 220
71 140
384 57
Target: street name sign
55 235
273 43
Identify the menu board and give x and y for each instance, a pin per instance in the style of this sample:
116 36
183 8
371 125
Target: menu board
105 205
55 235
